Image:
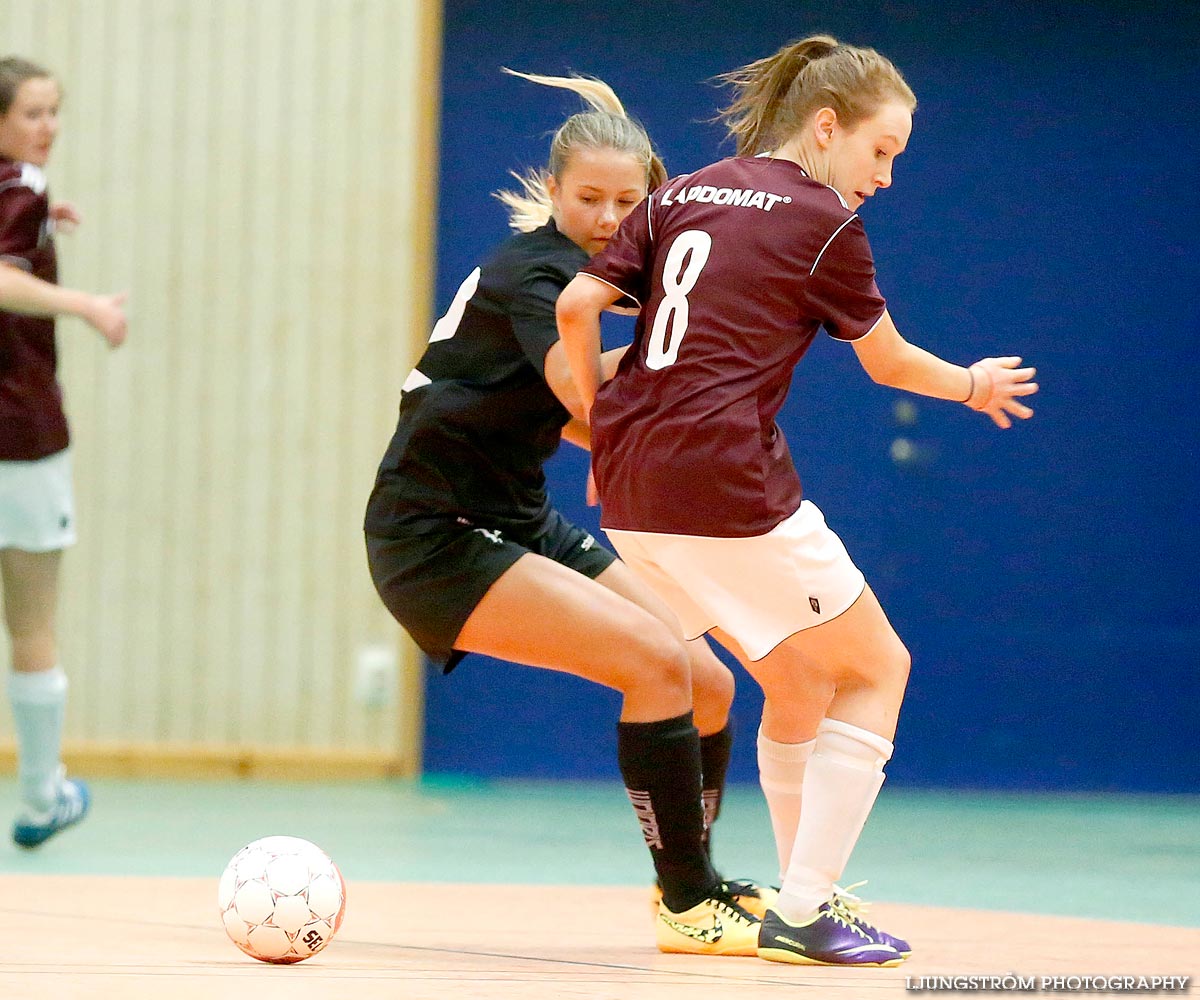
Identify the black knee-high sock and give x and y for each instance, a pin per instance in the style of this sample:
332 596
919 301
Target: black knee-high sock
714 763
660 762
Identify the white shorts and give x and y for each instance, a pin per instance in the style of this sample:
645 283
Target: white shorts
759 590
37 505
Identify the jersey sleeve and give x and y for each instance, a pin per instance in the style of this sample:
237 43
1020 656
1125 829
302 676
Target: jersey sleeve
532 312
841 292
624 263
21 215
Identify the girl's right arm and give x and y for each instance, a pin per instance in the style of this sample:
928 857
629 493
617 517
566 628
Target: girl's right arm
558 376
23 293
579 308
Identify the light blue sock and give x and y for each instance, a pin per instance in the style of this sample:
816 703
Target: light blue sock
39 701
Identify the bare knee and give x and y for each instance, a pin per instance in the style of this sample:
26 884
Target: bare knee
712 683
898 664
661 661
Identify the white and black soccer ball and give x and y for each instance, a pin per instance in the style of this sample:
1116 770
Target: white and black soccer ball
281 899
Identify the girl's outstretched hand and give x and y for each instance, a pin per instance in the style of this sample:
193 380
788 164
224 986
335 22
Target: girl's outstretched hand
107 314
66 216
996 388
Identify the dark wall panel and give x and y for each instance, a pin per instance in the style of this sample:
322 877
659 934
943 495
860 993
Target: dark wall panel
1047 206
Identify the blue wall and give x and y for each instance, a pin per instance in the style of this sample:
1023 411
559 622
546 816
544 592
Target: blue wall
1047 206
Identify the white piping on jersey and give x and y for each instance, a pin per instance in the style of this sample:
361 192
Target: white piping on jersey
806 174
870 331
830 240
771 153
839 197
588 274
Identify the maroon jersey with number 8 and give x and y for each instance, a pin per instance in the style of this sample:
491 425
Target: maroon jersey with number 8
32 422
736 266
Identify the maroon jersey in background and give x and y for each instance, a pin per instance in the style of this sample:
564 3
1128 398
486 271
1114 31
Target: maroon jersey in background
32 422
735 266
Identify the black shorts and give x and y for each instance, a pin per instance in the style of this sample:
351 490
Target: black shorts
433 578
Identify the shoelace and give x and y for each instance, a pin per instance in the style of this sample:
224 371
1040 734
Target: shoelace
742 887
840 911
732 909
853 905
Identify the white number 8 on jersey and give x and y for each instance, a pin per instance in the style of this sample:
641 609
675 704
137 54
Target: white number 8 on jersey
663 347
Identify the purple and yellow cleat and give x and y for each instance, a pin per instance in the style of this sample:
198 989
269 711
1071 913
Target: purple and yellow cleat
859 908
834 935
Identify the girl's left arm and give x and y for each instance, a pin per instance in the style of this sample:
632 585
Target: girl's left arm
991 386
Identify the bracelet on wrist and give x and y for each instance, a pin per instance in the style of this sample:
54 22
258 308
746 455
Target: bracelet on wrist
977 386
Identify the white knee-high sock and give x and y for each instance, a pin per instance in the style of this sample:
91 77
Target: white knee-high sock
781 774
39 701
841 781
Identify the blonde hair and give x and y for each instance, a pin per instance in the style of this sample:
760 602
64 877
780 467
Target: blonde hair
606 126
14 71
776 94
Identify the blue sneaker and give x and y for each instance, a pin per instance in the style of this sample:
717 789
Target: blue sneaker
859 908
33 829
832 936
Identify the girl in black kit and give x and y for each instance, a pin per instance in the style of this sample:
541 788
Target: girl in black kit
469 556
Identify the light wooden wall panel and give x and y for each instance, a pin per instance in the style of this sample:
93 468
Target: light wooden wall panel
260 177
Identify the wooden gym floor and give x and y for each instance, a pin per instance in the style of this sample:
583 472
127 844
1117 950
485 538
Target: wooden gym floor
531 890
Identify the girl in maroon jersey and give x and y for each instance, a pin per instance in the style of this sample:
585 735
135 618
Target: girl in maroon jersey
736 267
36 509
470 557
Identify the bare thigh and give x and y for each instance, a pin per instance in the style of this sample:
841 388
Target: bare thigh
30 605
797 697
712 681
853 668
543 614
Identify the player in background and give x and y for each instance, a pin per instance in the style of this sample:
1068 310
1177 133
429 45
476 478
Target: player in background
736 266
36 505
470 557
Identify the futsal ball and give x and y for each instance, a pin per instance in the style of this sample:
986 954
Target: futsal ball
281 899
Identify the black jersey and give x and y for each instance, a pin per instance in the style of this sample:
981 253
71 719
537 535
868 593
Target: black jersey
477 420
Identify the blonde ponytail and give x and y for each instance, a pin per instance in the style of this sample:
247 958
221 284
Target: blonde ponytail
606 126
776 94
